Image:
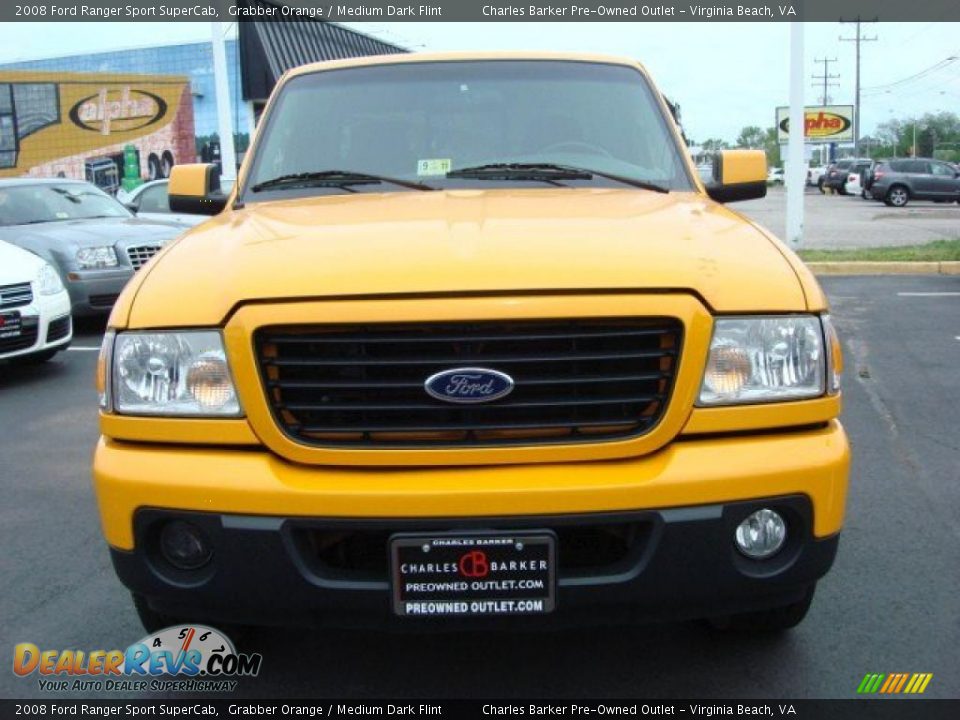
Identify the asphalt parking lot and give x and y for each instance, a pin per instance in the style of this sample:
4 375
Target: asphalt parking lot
890 604
845 221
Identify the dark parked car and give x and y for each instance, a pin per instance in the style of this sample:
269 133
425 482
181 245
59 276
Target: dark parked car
896 182
837 173
94 242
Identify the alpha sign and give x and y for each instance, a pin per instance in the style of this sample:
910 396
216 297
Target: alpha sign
822 124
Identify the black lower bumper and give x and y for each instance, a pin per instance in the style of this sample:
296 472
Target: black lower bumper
612 568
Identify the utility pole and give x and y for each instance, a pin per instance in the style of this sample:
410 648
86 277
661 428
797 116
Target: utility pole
859 38
826 77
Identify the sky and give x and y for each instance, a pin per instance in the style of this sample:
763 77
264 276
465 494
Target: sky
724 75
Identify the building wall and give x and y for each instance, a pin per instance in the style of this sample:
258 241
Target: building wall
195 60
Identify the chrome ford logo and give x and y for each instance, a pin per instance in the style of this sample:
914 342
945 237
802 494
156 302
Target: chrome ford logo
469 385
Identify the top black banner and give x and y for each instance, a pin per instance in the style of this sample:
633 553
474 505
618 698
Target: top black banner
478 10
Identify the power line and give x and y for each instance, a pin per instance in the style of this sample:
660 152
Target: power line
936 67
858 38
826 77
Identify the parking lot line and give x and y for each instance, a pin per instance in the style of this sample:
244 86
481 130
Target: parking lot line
79 348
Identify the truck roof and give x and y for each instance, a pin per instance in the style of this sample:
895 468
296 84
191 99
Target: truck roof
461 56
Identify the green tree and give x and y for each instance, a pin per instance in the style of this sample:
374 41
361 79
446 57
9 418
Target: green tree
714 145
751 137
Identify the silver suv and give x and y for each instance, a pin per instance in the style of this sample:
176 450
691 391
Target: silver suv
896 182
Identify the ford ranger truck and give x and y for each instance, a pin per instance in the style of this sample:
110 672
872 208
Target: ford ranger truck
469 343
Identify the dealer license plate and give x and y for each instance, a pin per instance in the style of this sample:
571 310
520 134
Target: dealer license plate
474 574
10 325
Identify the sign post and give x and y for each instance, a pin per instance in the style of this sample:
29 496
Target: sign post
795 176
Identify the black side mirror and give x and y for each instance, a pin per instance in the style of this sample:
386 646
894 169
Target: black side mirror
132 206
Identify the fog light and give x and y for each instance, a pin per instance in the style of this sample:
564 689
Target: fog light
762 534
184 545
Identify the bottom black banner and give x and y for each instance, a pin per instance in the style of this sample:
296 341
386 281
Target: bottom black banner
879 709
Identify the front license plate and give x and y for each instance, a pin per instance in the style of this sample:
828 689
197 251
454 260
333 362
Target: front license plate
10 325
474 574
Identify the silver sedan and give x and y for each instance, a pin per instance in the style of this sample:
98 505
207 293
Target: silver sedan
94 242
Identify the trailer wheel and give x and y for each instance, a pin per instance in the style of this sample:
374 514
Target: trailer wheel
153 167
167 163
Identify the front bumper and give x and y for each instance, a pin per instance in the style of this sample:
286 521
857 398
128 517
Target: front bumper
683 500
680 563
93 292
37 318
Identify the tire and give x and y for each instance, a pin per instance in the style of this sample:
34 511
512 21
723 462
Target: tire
154 170
774 620
35 358
166 163
863 194
154 621
820 187
898 196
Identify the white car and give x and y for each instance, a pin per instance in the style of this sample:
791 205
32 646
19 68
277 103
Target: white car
852 185
35 322
776 176
151 202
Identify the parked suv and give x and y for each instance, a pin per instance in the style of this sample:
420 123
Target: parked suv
839 171
484 351
896 182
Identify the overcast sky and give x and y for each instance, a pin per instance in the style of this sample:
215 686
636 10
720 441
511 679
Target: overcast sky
724 75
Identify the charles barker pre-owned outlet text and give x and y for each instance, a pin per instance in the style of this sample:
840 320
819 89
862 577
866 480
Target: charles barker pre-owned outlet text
568 11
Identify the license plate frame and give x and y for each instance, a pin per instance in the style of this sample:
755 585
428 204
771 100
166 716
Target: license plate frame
11 324
450 567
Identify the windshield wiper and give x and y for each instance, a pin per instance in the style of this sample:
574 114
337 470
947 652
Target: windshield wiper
334 178
546 171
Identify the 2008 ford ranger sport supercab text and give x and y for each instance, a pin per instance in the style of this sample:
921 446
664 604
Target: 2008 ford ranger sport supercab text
469 342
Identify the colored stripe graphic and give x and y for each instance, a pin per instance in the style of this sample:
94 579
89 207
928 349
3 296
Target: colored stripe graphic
894 683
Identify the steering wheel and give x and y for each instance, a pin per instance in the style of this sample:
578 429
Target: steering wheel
576 145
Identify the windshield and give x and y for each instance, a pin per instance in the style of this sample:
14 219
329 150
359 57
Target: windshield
49 202
420 121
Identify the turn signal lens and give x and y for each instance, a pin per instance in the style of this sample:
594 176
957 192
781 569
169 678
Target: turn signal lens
834 355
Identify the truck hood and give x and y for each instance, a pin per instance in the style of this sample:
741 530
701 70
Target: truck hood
466 241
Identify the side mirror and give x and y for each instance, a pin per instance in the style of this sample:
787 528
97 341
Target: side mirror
194 189
132 207
738 175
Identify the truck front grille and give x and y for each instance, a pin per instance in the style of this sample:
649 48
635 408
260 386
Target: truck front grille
586 380
12 296
139 255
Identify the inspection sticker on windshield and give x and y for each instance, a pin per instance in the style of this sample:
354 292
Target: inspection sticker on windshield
434 166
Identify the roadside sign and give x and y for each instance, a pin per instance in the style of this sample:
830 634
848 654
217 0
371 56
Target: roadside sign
822 124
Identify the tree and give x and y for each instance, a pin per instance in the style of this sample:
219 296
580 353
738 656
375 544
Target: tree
751 137
714 145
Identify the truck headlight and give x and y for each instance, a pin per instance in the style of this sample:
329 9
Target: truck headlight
172 373
764 359
48 280
96 257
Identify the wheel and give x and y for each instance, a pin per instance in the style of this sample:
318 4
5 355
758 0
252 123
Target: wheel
863 194
154 171
154 621
773 620
166 163
820 186
898 196
35 358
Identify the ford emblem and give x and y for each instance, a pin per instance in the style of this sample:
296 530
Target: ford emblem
469 385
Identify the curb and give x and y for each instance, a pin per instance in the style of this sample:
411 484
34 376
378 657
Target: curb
946 267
